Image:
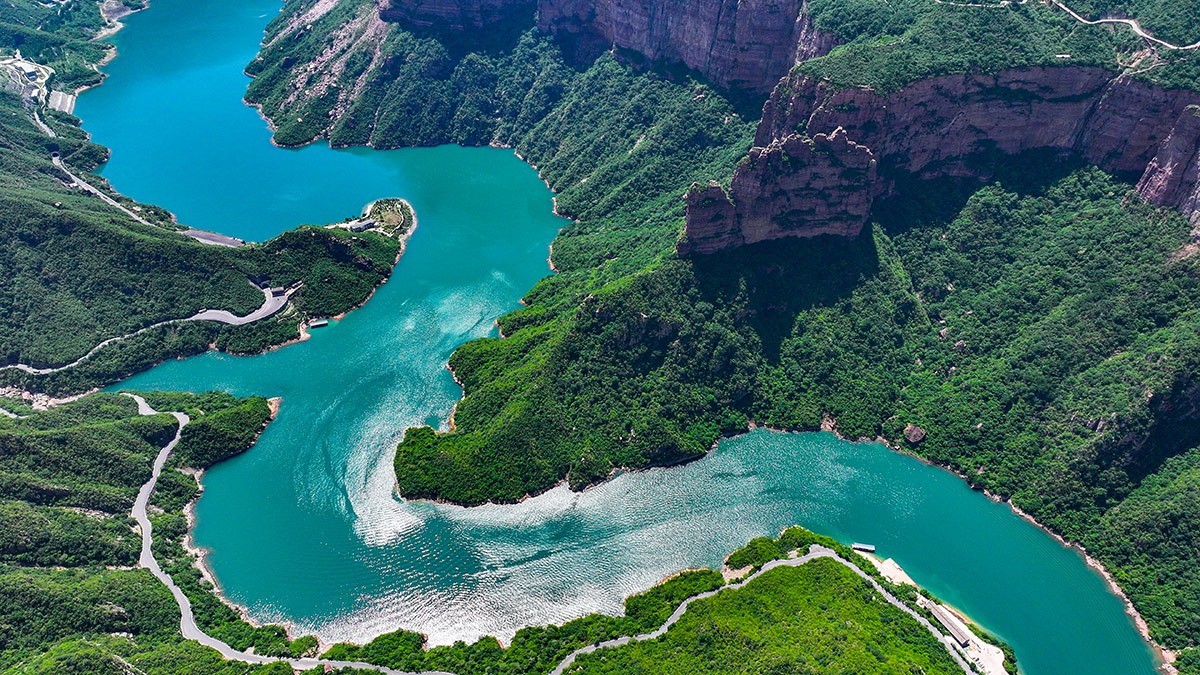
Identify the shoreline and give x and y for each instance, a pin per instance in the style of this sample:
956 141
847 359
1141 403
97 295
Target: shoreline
1164 656
200 554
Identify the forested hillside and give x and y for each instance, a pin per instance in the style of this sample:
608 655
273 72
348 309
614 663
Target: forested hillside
890 44
79 271
71 597
1041 331
73 601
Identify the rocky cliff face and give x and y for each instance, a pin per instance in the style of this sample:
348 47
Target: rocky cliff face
455 15
744 45
1173 176
741 45
795 185
935 128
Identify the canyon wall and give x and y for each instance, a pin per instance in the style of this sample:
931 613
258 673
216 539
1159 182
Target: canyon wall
744 46
455 15
935 128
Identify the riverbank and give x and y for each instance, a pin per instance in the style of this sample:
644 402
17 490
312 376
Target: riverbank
1165 656
189 629
113 11
199 554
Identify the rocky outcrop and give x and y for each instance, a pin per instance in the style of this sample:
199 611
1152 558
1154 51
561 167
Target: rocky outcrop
818 185
1173 176
914 434
456 15
740 45
943 127
744 45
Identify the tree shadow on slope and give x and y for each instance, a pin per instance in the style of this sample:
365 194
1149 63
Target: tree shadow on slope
924 202
772 282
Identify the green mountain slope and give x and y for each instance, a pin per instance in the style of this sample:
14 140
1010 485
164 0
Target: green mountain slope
1041 330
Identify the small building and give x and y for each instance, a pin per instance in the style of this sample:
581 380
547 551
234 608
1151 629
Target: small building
362 225
957 630
865 548
277 291
320 323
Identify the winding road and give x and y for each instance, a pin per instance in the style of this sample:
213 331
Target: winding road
271 305
88 187
202 236
1131 23
191 631
187 619
815 552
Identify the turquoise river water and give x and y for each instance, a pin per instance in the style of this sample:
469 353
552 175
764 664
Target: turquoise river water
304 528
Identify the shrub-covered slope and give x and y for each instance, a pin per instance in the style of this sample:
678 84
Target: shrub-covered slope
78 272
1042 330
71 600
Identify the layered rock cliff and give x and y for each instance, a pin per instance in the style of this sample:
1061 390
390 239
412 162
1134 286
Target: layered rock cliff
1173 176
809 186
739 45
936 128
455 15
745 45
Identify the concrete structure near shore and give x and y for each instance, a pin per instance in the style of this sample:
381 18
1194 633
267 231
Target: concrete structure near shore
61 101
987 658
25 78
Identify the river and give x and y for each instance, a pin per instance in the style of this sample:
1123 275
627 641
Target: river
304 528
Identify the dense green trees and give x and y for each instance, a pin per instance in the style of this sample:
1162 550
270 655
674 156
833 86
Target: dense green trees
1041 330
1044 334
1022 326
893 43
79 272
68 601
817 618
1176 21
